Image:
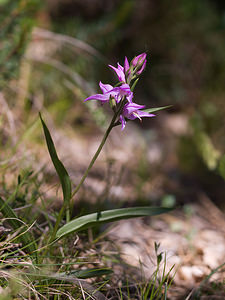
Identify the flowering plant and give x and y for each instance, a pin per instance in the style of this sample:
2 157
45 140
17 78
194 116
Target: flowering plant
120 97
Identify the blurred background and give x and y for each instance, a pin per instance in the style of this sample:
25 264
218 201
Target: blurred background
54 53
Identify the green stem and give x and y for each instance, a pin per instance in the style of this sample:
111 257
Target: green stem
111 125
94 157
56 227
58 220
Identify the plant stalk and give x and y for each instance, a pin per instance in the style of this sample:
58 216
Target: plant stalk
111 125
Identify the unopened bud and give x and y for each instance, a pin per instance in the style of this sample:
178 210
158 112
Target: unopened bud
139 63
112 102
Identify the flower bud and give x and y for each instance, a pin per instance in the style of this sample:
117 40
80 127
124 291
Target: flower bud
139 63
112 102
126 65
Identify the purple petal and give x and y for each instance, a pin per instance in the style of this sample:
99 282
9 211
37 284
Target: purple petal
138 114
139 59
123 122
130 97
105 87
142 68
100 97
124 89
126 65
145 114
119 67
131 116
131 107
119 71
136 106
120 91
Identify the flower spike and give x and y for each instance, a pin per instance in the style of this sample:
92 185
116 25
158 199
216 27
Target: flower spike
120 97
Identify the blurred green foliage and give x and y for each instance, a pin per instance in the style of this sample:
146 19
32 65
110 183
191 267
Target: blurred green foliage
16 21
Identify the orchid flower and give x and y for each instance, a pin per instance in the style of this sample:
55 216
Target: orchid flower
108 91
132 111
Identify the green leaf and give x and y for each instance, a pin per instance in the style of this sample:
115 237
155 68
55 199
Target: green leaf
107 216
60 169
25 237
151 110
134 84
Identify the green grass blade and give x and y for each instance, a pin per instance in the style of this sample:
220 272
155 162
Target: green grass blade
60 169
93 219
154 109
88 273
25 238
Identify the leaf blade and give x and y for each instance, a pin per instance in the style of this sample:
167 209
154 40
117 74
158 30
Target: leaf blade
59 167
93 219
89 273
154 109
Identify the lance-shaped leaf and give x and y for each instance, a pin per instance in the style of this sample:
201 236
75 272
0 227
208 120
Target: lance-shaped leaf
60 169
107 216
151 110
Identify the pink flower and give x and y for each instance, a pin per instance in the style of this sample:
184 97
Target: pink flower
132 111
116 93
